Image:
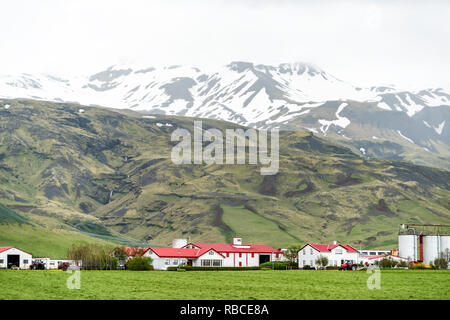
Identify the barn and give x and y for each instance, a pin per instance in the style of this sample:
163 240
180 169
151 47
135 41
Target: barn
11 256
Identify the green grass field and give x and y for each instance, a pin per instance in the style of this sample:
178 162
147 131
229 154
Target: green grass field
233 285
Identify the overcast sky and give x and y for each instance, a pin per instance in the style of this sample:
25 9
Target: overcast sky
364 42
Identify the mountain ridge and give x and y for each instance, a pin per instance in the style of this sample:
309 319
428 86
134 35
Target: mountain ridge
288 96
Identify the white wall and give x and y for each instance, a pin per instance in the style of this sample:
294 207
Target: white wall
210 255
246 259
159 263
22 257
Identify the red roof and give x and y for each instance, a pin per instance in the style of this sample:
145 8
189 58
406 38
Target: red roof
2 249
180 252
329 247
5 248
134 251
248 248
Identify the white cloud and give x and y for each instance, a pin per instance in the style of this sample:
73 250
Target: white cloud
379 42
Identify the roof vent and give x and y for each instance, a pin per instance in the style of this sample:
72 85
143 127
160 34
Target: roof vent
237 241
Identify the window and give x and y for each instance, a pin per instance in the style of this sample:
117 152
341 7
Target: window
167 262
2 261
206 263
25 261
304 262
175 262
338 251
373 253
304 251
311 251
217 263
211 253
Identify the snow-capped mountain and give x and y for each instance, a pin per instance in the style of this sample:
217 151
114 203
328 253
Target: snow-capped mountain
288 96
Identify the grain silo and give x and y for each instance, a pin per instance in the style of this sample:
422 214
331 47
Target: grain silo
407 246
445 246
431 248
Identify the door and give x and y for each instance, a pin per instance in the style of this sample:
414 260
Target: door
13 260
264 258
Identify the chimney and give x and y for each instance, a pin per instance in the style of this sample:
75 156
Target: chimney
237 241
335 242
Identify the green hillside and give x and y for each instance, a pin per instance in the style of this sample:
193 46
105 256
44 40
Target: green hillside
109 173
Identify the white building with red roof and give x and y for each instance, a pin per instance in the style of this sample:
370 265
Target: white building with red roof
210 254
241 255
162 258
11 256
336 253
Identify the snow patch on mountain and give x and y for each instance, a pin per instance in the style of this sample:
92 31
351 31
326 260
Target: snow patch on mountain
404 137
342 122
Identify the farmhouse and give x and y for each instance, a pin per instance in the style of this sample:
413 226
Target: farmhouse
11 256
162 258
241 255
188 253
337 254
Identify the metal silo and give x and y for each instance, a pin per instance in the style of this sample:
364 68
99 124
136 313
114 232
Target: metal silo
407 246
431 248
445 246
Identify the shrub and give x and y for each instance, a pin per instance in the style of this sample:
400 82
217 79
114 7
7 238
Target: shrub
276 265
387 263
140 264
307 267
322 261
332 268
402 264
440 263
190 268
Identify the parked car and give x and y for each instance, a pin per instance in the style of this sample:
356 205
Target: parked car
63 266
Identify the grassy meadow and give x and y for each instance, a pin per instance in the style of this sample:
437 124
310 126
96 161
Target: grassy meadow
218 285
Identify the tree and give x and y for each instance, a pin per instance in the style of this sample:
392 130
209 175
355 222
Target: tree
140 264
93 257
291 254
322 261
120 253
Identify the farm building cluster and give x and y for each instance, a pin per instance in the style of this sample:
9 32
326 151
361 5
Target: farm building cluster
413 247
12 257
